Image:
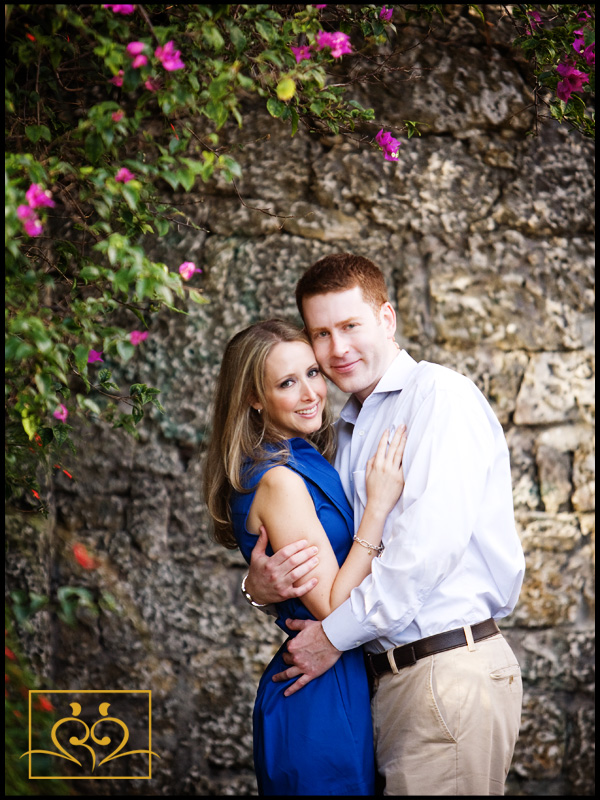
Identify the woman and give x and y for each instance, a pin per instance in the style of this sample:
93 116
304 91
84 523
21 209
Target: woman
267 466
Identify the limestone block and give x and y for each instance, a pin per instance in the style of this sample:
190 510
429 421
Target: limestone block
558 450
558 578
557 387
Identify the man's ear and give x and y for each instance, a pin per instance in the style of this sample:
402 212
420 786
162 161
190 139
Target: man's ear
387 317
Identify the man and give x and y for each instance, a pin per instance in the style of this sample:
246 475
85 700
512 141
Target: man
447 687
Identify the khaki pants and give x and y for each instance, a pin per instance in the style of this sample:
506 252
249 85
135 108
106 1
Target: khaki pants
448 724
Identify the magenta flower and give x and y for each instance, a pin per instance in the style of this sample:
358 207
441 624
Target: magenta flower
135 48
61 413
573 81
169 57
389 145
338 42
322 5
33 227
117 116
118 79
36 196
152 84
589 54
139 61
301 52
25 212
119 8
386 13
124 175
187 269
95 355
135 337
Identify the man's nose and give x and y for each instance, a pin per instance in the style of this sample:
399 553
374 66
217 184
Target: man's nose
338 345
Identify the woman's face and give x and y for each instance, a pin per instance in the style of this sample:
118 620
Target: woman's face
295 390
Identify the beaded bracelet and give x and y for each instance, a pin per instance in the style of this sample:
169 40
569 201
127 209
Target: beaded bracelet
379 547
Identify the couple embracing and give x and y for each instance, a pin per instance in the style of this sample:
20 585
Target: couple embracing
383 544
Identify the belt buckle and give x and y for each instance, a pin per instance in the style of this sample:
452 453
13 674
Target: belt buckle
407 649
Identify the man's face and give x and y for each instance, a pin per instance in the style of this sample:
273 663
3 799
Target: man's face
353 343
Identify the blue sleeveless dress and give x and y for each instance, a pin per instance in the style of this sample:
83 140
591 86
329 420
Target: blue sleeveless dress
318 741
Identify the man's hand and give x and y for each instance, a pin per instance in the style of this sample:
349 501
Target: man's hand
311 654
271 578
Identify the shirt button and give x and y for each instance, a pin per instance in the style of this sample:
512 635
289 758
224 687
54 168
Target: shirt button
361 433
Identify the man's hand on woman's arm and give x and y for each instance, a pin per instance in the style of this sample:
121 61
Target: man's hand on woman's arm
271 578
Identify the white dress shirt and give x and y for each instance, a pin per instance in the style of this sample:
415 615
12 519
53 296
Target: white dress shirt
452 554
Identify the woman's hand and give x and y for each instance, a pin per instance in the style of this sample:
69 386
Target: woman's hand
384 474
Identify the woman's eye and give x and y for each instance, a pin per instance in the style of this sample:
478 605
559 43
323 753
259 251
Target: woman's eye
312 373
287 383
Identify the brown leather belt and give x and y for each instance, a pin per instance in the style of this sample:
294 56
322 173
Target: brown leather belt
408 654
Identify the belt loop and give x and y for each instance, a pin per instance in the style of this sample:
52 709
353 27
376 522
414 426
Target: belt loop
469 638
392 660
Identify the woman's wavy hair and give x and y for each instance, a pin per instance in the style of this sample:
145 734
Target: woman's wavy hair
240 434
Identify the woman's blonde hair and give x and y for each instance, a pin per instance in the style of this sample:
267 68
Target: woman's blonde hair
239 433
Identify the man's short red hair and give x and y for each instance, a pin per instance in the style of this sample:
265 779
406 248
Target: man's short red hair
340 272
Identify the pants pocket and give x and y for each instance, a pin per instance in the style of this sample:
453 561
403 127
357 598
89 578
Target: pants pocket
508 678
444 700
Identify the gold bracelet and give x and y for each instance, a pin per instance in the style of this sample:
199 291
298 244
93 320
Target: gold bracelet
379 547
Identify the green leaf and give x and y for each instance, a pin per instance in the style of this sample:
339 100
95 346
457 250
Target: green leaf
94 146
275 107
125 350
295 119
36 132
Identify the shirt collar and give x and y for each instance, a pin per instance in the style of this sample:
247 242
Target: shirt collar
393 380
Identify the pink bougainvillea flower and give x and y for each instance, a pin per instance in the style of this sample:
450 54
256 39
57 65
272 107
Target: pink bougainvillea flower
9 653
117 116
33 227
386 14
61 413
119 8
169 57
83 558
389 145
573 81
187 269
124 175
118 79
135 48
36 196
589 54
322 5
338 42
139 61
301 52
95 355
152 84
135 337
25 212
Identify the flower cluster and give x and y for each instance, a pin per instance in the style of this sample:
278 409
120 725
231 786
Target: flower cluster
187 269
169 57
119 8
388 144
124 175
572 81
386 14
61 413
36 197
136 51
135 337
338 42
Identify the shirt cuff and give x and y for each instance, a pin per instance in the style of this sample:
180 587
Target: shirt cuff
343 630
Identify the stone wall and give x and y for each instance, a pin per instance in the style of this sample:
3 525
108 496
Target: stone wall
485 235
